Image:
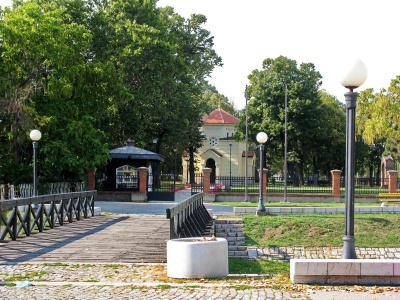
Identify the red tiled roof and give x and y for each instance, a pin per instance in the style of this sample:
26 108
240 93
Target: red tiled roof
219 116
249 154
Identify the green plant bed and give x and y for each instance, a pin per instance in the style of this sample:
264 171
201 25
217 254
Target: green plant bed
371 230
258 266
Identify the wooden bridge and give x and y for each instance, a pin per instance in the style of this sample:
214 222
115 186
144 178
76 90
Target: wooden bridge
106 239
87 238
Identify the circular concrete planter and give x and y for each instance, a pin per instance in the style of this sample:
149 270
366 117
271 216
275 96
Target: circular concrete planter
194 258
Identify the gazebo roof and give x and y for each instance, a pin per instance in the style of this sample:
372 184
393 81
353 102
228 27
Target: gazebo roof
131 152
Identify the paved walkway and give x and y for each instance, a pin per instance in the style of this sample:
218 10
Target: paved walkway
103 258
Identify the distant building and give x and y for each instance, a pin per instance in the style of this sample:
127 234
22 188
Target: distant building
220 151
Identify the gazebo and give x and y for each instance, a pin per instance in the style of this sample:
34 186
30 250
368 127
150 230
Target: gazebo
121 171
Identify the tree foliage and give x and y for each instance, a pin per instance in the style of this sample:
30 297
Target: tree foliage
378 117
91 74
314 119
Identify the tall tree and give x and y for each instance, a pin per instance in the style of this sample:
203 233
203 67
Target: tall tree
266 110
378 117
57 87
211 100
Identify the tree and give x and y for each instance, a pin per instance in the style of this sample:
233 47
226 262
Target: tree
211 100
266 110
378 117
53 86
91 74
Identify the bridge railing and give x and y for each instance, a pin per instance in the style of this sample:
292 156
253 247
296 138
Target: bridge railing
34 214
189 218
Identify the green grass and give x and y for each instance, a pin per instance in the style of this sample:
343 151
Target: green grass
311 230
258 266
29 275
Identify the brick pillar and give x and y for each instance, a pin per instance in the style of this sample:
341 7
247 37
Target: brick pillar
91 178
392 181
206 180
265 181
336 182
142 179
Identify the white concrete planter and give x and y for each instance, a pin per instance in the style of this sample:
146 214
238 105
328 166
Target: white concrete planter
193 258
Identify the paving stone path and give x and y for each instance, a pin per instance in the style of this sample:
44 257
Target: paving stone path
123 257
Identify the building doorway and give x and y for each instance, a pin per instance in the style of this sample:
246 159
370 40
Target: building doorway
210 163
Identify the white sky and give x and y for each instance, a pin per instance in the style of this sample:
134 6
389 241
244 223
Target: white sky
326 33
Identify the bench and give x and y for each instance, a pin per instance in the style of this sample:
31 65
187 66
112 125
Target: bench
385 198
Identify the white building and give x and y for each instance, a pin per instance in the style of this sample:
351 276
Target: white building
220 151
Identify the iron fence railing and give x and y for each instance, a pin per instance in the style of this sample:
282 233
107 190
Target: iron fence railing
311 185
367 186
197 185
23 190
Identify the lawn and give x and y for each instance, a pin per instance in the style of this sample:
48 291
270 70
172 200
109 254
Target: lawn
311 230
371 230
293 204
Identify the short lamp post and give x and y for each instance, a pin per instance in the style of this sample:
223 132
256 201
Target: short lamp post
353 79
187 169
262 138
35 136
230 164
175 169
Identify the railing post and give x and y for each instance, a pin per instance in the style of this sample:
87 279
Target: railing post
206 180
91 177
142 179
392 181
265 181
336 182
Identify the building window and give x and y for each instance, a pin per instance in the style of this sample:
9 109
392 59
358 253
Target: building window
213 141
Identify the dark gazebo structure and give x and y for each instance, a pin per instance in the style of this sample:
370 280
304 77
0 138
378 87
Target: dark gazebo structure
122 169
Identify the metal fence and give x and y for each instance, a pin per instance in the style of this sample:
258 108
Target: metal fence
366 185
197 185
312 184
10 191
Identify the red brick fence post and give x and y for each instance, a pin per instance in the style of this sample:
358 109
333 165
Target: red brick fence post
336 182
91 177
392 181
206 180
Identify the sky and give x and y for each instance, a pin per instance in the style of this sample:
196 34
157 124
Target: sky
331 34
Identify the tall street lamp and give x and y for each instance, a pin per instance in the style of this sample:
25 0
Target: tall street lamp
285 158
35 136
262 138
230 164
246 95
353 79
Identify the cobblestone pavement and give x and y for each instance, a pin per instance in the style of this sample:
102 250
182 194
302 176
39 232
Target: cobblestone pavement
287 253
149 281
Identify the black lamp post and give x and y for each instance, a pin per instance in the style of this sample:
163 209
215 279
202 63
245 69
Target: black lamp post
262 138
285 154
175 169
35 136
187 169
354 78
246 94
230 164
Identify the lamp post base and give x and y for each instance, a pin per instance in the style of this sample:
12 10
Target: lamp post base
349 251
261 213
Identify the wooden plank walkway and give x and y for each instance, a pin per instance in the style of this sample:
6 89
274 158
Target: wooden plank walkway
104 239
